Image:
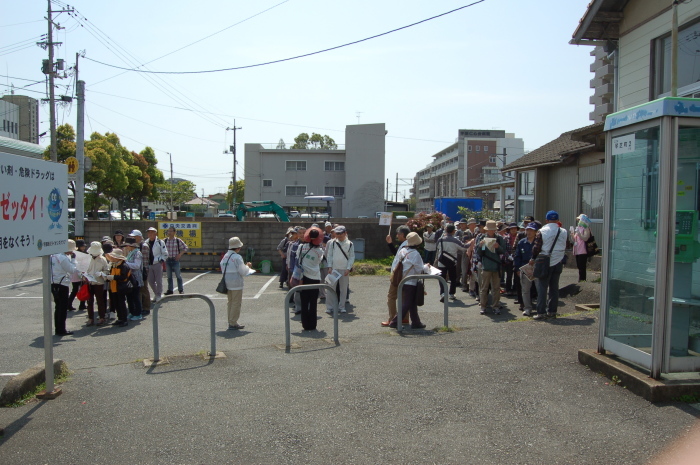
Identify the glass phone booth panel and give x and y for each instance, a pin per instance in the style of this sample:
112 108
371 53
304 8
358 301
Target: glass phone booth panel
633 197
684 339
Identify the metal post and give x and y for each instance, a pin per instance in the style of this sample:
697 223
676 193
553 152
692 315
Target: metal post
168 298
399 313
287 301
674 49
48 323
52 108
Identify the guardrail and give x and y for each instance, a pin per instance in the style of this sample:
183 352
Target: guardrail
399 318
169 298
287 299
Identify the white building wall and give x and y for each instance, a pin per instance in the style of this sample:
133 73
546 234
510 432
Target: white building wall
365 148
634 68
9 119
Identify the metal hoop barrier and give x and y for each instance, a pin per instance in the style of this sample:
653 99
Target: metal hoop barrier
399 317
287 303
169 298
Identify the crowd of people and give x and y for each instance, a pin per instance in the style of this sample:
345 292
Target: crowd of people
483 258
120 269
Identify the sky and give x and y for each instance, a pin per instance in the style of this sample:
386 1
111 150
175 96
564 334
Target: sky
498 64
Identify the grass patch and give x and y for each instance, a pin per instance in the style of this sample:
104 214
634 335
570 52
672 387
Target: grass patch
444 329
688 398
28 397
373 267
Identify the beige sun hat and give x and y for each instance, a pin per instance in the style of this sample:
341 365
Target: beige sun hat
95 249
234 243
491 226
413 239
117 254
71 246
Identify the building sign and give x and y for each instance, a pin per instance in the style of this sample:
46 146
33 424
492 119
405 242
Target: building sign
490 134
33 208
188 231
623 144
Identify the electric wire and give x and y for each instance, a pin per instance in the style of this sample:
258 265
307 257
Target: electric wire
136 70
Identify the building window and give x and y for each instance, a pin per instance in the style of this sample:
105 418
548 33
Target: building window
334 191
469 148
486 148
334 166
478 148
291 191
527 183
593 200
525 207
492 158
688 46
267 182
296 165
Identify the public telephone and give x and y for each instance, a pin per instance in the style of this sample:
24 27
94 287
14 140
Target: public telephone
687 245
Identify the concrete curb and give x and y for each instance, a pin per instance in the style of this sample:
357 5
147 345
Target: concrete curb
27 381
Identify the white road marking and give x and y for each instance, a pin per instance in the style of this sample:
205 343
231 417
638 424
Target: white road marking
9 374
264 287
21 282
197 277
39 297
20 295
255 297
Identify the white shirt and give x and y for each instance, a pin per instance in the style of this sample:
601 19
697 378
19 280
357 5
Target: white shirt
61 268
549 232
412 264
335 257
233 269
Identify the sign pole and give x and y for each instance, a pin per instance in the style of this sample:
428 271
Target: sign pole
48 324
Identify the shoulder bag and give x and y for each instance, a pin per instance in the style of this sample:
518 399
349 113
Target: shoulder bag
221 288
541 268
591 246
298 273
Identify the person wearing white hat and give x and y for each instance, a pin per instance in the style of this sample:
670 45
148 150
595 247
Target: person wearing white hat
412 264
118 277
489 249
144 293
233 269
340 257
61 268
96 271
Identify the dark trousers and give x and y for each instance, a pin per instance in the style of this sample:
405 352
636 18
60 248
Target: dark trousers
548 286
97 292
118 299
133 300
510 282
451 271
429 256
309 299
60 301
283 272
581 261
73 292
408 305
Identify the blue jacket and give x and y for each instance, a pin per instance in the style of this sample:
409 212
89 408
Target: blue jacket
523 253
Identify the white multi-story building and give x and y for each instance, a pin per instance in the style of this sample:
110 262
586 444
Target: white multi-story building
354 175
471 167
20 115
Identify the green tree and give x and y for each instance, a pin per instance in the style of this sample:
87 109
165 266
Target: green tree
240 192
109 176
179 192
315 142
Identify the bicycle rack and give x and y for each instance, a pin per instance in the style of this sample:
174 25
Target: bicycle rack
287 299
169 298
399 312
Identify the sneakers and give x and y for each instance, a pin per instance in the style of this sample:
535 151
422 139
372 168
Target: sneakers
168 293
342 310
329 311
181 291
551 315
453 297
526 313
234 327
539 316
145 312
497 311
417 326
482 311
135 317
442 297
472 294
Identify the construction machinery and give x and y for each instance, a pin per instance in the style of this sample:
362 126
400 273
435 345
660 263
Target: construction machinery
261 206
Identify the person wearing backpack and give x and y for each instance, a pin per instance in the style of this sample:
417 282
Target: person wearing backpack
309 257
156 260
448 249
340 256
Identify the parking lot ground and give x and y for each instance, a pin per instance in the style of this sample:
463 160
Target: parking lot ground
497 389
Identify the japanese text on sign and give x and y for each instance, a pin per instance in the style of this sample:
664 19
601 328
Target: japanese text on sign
189 232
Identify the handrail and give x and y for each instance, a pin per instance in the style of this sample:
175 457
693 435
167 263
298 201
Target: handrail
168 298
399 312
294 290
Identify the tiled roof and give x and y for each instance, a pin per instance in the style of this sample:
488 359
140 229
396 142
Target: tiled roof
16 144
551 152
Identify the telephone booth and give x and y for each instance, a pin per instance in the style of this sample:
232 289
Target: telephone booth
650 300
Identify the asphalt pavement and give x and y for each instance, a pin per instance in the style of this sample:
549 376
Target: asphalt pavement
498 389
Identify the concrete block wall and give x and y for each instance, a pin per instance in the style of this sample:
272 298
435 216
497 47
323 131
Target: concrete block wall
261 235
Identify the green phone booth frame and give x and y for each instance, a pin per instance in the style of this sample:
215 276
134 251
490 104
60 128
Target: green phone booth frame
650 296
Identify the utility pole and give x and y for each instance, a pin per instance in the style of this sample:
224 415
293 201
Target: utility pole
674 48
80 155
48 68
233 150
171 186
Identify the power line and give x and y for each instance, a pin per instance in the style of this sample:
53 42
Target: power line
136 70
